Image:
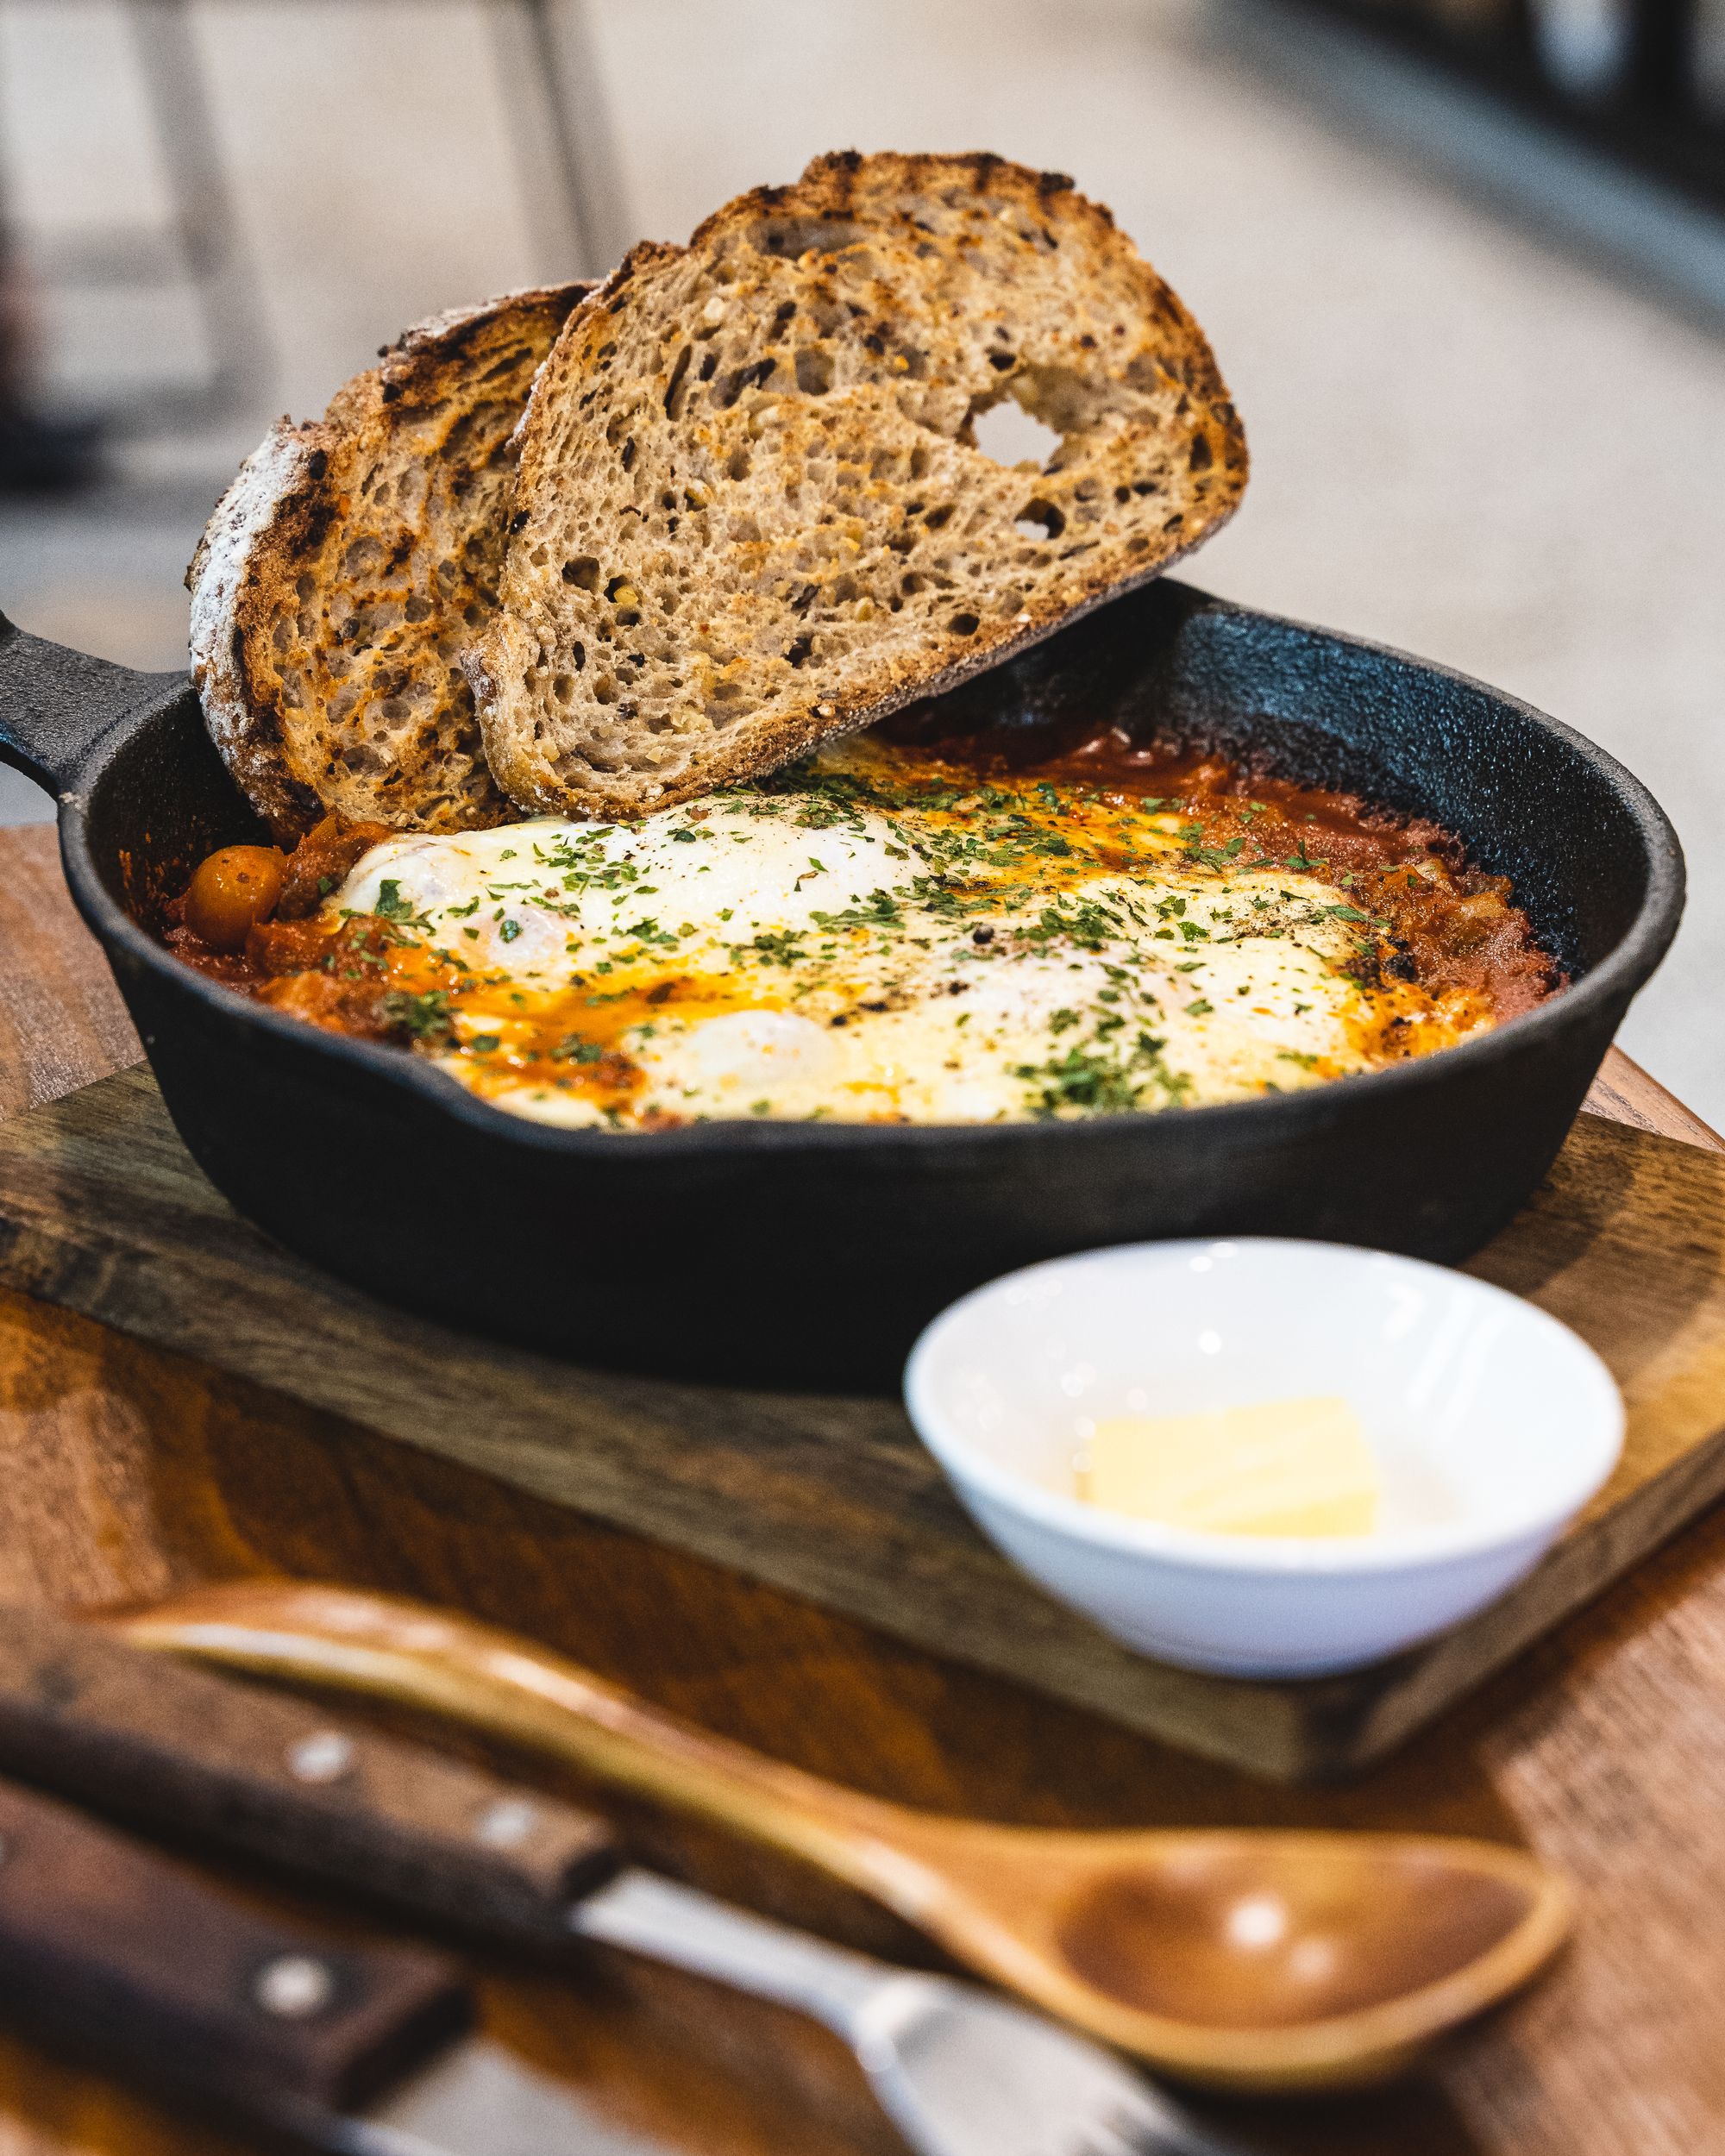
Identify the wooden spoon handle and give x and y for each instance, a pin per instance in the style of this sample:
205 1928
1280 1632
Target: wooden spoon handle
417 1656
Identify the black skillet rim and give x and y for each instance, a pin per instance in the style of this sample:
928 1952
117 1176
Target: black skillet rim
1623 970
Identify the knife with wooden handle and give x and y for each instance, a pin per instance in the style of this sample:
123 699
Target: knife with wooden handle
234 1768
177 1748
114 1953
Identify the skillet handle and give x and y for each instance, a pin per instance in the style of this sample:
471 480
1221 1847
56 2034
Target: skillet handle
56 704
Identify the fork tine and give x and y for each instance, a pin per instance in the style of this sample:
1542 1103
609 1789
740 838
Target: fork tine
1151 2134
1104 2138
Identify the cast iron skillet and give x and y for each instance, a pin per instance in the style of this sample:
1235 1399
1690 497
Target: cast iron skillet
811 1254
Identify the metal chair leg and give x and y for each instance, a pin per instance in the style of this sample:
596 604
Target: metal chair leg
206 227
559 50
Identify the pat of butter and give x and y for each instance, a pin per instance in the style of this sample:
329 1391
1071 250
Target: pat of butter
1285 1467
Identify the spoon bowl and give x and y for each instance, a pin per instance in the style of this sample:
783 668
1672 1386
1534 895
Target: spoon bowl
1239 1958
1243 1958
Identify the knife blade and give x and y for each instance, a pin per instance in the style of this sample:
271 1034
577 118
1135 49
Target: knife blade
114 1954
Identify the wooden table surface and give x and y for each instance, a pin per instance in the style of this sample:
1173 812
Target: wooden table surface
125 1472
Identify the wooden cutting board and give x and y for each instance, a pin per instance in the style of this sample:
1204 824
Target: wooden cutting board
103 1211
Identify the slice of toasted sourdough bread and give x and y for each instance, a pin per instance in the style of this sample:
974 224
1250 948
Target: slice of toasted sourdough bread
750 511
346 565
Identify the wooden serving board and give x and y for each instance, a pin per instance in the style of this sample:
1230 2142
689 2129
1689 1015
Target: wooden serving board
103 1211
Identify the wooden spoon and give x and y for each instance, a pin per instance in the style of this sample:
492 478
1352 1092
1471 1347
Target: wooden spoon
1238 1958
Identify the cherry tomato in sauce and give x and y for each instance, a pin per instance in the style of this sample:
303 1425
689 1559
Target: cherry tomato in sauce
232 891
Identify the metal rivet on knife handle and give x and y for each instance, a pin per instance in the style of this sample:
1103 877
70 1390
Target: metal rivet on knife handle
294 1986
325 1755
507 1823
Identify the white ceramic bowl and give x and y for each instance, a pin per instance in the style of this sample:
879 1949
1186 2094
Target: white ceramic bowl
1492 1426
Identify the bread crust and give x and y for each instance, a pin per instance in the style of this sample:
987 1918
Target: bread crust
882 303
347 560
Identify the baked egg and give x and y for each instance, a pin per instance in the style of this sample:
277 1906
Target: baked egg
883 936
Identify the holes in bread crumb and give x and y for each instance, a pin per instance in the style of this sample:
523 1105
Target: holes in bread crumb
964 625
788 237
1009 434
737 465
941 514
673 388
1038 519
563 688
798 652
742 377
919 463
605 689
814 369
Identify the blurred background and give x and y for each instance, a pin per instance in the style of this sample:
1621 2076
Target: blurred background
1463 262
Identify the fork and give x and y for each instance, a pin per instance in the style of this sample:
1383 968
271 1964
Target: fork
959 2072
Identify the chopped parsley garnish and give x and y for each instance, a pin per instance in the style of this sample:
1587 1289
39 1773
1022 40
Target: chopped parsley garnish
1099 1078
879 909
390 902
424 1018
781 946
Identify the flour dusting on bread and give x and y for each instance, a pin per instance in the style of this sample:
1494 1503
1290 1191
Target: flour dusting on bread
347 564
